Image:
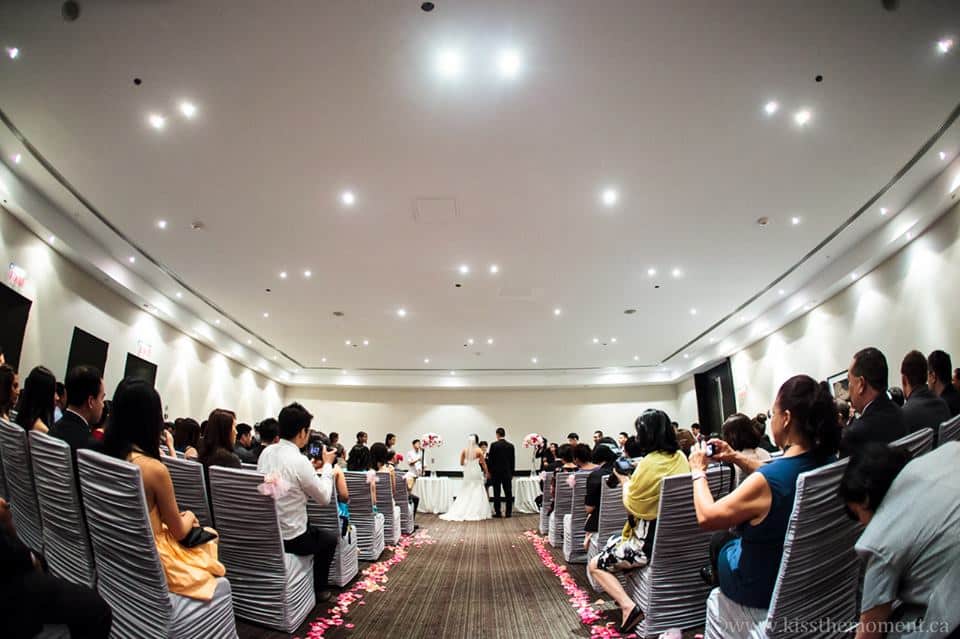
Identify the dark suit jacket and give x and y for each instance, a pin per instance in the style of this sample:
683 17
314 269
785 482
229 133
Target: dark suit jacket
923 409
72 429
501 460
882 421
952 397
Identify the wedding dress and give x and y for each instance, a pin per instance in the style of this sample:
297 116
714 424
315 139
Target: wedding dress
472 502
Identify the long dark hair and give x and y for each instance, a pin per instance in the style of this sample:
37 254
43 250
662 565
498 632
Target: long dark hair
219 429
36 398
186 433
813 413
655 433
741 432
7 375
379 456
137 420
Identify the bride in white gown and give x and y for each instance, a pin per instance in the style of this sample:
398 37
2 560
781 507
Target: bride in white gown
472 503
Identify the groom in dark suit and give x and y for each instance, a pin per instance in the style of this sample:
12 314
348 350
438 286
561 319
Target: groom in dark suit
501 462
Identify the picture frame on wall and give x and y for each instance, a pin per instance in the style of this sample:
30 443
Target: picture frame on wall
839 385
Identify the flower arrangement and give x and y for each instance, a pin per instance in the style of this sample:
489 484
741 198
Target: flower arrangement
533 440
431 440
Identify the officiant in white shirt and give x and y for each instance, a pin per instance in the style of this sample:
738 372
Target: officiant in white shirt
414 459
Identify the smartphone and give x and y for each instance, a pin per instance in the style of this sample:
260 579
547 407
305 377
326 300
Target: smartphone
313 450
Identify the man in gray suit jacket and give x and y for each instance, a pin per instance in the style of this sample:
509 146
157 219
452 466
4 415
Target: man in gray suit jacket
923 409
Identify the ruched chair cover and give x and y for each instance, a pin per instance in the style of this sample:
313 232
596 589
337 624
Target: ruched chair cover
370 525
402 496
669 590
547 479
3 478
190 487
915 444
562 501
18 472
65 538
345 564
388 508
129 575
949 431
246 466
271 587
610 521
573 523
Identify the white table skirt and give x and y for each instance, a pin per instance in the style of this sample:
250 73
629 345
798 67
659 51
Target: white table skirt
436 494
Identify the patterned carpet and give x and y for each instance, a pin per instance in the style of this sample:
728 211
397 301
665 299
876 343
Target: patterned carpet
481 580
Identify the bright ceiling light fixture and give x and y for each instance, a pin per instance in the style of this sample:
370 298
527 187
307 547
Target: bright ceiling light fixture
366 342
613 340
426 360
17 158
693 311
266 315
781 292
609 196
596 340
401 312
533 360
494 269
131 259
509 63
283 275
161 224
943 46
347 342
943 155
489 340
795 220
771 107
636 358
557 312
308 273
450 63
157 121
348 198
854 276
217 322
51 239
686 356
13 52
249 342
802 117
651 272
883 210
677 272
453 372
470 341
464 269
188 109
179 295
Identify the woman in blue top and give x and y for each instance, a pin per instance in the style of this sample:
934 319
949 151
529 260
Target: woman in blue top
804 422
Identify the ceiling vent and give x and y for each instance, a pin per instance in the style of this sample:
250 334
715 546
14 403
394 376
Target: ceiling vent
435 210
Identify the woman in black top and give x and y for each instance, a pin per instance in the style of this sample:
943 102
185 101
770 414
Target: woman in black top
604 454
216 447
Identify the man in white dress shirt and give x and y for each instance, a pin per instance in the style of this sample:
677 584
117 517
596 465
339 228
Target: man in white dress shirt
414 461
285 459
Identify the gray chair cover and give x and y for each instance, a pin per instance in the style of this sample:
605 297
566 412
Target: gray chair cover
388 508
345 564
915 444
547 479
190 487
403 501
370 526
3 478
129 575
247 466
65 537
273 588
949 431
18 471
573 532
669 590
610 522
562 505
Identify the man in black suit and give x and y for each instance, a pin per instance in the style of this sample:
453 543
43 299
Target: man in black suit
501 463
923 409
880 419
85 395
938 379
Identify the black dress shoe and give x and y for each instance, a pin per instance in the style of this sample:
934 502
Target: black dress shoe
509 515
631 620
497 515
324 596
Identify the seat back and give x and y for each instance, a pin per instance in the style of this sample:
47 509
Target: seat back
65 537
402 497
18 471
344 566
573 551
386 505
820 572
613 514
547 479
915 444
949 431
3 478
129 575
246 466
190 487
370 527
676 595
257 574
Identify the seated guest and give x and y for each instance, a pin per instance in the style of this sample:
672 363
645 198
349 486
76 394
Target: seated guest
244 445
59 401
597 436
217 446
938 379
30 598
631 549
565 457
284 458
761 423
843 411
84 407
956 379
923 408
605 453
335 442
622 440
573 439
186 437
686 440
695 429
269 431
910 544
381 460
35 411
390 441
743 435
633 449
896 395
804 423
359 458
583 457
9 391
133 435
880 419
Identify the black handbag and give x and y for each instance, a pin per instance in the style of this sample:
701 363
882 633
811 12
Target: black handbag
197 537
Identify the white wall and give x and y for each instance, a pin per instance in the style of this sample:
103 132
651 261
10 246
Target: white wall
191 378
908 302
687 412
456 413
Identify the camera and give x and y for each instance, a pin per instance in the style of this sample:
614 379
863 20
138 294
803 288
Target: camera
623 466
709 450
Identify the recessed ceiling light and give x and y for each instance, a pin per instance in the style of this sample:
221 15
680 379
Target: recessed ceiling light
347 342
188 109
469 340
686 356
217 322
17 158
274 358
509 63
131 259
794 220
771 107
557 311
489 340
943 155
677 272
713 340
401 312
494 269
13 52
533 360
179 295
283 275
161 224
464 269
943 46
613 340
366 342
636 358
883 210
854 276
453 372
323 360
802 117
693 311
343 371
609 196
51 239
265 315
449 63
651 272
249 342
781 292
426 360
596 340
909 235
157 121
307 273
348 198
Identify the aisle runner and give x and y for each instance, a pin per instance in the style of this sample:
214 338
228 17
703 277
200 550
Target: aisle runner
372 580
579 599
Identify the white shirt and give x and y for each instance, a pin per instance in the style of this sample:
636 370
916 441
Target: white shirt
285 459
414 462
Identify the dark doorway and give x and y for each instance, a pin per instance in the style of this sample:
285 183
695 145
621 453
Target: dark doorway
139 368
14 311
87 350
716 399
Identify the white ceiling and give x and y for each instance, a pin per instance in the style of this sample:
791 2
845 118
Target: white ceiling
663 101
